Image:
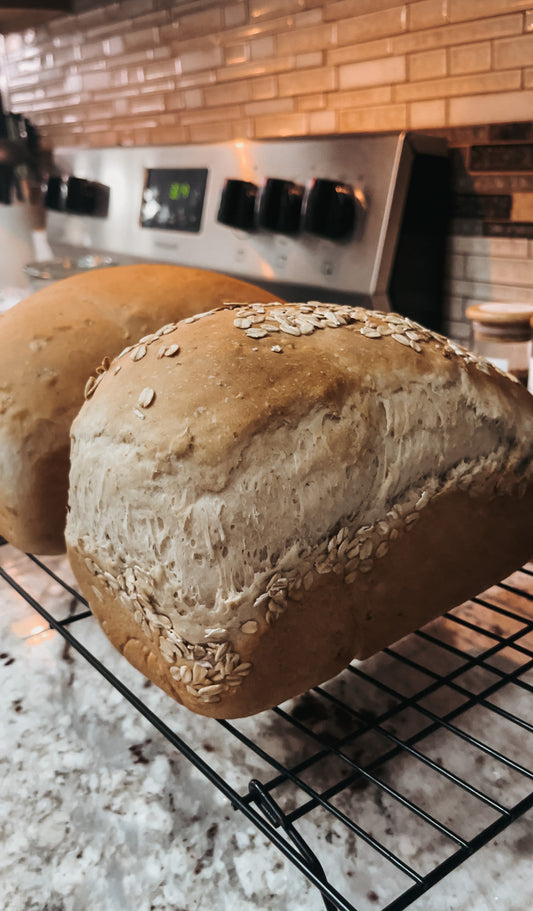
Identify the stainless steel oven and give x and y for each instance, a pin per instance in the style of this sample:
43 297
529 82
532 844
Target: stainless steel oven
358 218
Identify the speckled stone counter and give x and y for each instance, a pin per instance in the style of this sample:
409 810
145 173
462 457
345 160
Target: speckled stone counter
98 810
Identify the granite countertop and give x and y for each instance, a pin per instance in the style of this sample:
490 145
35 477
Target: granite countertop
99 810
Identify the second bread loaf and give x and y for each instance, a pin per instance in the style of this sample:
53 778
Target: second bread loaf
50 344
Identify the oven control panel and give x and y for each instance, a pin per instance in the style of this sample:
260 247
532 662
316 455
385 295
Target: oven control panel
320 213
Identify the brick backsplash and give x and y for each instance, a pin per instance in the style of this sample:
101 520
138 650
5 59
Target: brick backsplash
429 63
491 242
139 72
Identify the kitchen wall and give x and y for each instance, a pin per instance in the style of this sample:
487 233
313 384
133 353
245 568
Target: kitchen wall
136 72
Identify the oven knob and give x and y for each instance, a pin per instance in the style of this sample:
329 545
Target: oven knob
237 204
280 206
329 209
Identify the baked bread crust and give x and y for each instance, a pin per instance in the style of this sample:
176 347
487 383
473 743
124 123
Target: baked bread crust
259 497
50 344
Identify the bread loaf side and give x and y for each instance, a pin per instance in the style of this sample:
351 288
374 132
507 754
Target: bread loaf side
263 493
50 344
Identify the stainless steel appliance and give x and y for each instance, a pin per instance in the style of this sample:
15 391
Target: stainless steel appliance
353 218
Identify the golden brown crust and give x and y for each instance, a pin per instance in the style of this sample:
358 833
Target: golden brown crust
49 345
419 580
286 511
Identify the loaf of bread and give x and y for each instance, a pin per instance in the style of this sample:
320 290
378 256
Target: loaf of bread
50 344
266 492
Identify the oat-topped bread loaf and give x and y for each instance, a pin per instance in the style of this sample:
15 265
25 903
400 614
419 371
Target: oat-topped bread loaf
49 345
259 495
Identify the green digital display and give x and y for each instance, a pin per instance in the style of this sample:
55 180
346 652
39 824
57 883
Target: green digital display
173 198
179 190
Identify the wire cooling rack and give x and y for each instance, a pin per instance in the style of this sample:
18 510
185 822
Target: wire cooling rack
430 738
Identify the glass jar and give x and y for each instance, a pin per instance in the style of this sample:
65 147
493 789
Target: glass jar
53 270
502 334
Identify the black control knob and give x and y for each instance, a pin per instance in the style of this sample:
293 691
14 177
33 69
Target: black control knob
279 206
55 195
86 197
237 204
330 209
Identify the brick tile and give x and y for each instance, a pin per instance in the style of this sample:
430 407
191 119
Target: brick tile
295 124
263 47
368 50
103 138
426 14
343 9
450 35
494 183
322 122
244 128
147 104
427 65
309 17
372 25
375 118
236 53
522 208
300 41
256 28
174 134
381 94
312 60
425 114
508 229
511 52
461 10
489 207
161 68
264 87
206 22
98 80
459 85
501 271
136 38
373 72
506 157
211 132
490 108
313 102
517 132
200 59
301 82
260 9
206 77
235 92
269 106
21 99
470 58
210 115
481 289
488 246
234 14
255 68
193 98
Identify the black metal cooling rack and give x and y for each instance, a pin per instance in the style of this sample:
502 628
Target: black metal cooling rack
430 737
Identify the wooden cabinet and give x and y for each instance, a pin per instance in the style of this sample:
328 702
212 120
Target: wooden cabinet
23 14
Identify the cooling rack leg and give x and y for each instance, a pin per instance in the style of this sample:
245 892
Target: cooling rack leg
277 818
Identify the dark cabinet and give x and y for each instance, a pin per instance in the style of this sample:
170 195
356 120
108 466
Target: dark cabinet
23 14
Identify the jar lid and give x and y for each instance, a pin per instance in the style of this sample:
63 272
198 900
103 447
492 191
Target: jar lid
498 314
